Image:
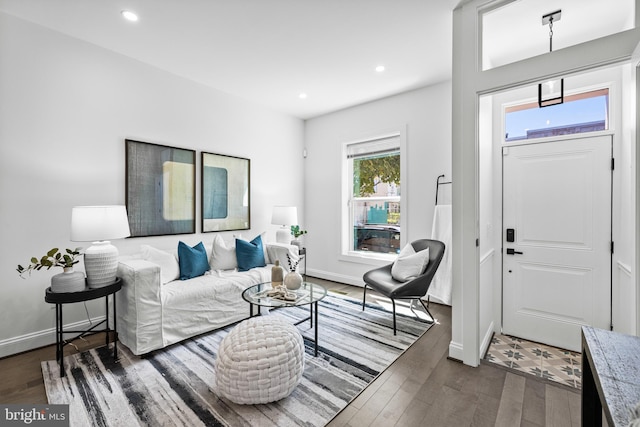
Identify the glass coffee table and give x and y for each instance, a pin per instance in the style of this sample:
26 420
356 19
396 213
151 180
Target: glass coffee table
308 294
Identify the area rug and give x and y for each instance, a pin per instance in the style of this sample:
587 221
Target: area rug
176 385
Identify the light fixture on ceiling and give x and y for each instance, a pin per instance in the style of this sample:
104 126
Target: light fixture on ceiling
380 68
129 15
302 96
552 91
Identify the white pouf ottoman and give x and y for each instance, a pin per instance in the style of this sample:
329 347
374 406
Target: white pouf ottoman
261 360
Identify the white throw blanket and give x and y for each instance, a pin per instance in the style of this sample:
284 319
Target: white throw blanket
440 290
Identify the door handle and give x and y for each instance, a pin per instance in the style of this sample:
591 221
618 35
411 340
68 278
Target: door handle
511 251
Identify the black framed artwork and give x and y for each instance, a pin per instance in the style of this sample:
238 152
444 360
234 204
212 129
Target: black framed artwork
226 195
160 189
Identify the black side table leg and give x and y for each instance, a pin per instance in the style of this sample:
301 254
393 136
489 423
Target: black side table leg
115 330
316 328
106 310
60 339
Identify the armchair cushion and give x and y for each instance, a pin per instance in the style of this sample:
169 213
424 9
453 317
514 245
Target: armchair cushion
409 264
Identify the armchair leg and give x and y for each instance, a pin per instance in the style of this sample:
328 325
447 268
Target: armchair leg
364 296
427 310
393 302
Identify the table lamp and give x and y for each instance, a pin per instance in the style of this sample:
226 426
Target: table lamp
99 224
286 216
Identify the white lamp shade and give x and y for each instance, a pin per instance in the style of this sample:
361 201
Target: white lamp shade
284 215
95 223
99 224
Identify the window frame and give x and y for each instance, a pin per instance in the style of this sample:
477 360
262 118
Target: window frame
347 226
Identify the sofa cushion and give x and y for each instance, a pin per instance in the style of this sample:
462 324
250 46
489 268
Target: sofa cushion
193 260
410 264
222 257
249 254
169 267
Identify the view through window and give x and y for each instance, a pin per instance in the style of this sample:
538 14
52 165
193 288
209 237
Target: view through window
374 202
581 113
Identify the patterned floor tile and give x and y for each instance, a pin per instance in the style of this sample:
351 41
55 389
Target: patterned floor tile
536 359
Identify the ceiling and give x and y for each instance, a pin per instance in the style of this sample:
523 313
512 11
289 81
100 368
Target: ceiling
271 51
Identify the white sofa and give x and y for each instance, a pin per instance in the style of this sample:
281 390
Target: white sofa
152 315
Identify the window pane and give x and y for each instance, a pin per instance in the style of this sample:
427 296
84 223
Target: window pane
376 226
578 114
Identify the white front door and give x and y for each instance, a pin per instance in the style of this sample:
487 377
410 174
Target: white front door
557 261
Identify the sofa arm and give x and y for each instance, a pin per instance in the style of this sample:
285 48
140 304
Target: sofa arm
140 306
279 251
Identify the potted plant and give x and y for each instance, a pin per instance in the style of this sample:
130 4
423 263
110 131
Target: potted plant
68 280
296 232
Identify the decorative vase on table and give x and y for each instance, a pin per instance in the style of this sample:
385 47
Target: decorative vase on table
68 281
293 280
277 274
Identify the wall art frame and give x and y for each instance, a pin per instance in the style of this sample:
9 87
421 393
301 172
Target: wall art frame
160 189
226 192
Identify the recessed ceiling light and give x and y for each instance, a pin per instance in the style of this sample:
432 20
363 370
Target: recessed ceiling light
302 96
380 68
129 15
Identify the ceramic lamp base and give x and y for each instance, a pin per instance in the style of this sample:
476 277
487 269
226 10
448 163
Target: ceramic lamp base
283 235
101 264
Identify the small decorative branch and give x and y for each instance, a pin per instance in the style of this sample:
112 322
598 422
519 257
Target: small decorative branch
293 265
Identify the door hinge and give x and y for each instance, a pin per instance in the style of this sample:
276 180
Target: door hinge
613 163
477 243
612 246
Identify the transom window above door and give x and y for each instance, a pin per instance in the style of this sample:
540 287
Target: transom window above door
580 113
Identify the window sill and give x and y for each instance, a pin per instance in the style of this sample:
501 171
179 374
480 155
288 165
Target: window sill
369 258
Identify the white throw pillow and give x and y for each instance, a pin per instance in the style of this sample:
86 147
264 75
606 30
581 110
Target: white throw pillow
410 264
169 267
222 257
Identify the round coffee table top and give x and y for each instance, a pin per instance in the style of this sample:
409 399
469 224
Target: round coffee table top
308 293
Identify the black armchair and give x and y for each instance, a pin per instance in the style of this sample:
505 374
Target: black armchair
381 280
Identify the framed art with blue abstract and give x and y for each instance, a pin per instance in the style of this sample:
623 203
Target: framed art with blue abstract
160 189
226 195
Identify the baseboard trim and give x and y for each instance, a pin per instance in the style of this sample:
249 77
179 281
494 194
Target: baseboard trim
456 351
340 278
33 340
486 341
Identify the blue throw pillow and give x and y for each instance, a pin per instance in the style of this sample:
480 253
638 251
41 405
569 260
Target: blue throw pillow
249 254
193 260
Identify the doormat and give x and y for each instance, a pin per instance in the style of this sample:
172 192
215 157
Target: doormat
540 360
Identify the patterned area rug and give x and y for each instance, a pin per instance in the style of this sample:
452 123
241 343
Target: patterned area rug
176 385
543 361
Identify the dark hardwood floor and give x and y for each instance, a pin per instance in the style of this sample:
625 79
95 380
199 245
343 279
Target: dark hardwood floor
424 388
421 388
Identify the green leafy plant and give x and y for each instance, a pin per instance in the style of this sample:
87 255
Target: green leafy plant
296 231
53 258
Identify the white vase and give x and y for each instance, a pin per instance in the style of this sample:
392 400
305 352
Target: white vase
68 281
297 242
293 280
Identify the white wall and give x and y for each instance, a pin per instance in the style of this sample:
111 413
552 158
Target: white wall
66 107
426 116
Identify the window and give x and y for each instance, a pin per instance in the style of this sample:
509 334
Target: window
581 113
373 183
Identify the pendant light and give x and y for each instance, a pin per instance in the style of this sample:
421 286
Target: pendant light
552 91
